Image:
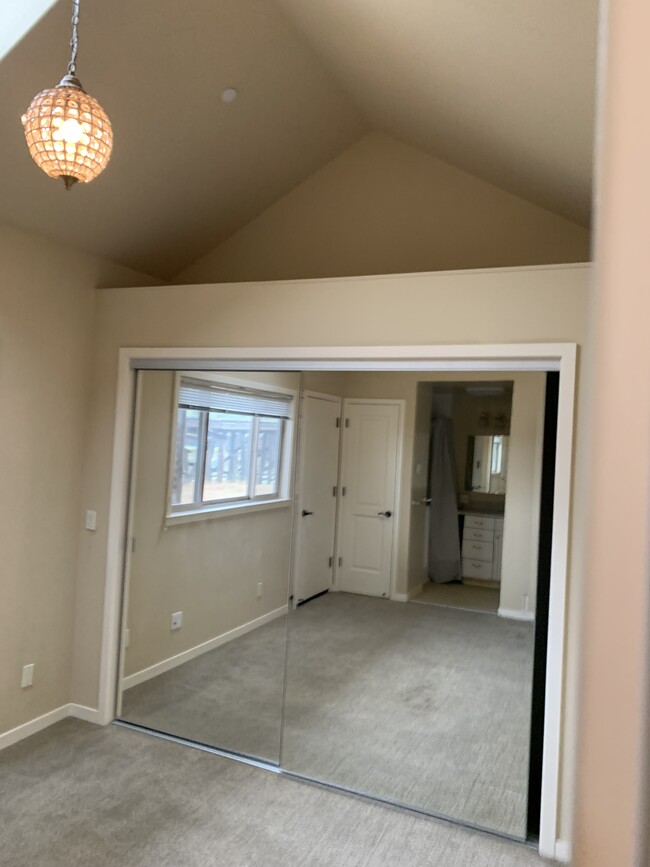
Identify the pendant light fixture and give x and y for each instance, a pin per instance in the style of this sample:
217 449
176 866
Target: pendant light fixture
68 133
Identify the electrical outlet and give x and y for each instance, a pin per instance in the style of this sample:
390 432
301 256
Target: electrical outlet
177 620
260 588
28 675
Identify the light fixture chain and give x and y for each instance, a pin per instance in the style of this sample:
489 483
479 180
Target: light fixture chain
74 41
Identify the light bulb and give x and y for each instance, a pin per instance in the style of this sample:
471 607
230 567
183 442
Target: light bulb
71 131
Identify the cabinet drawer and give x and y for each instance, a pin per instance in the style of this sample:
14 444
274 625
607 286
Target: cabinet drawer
478 535
478 550
477 568
479 522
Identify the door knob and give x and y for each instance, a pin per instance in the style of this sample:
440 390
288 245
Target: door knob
384 514
305 513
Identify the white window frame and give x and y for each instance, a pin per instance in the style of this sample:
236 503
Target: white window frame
185 513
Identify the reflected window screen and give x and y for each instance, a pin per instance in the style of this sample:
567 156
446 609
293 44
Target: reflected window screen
228 445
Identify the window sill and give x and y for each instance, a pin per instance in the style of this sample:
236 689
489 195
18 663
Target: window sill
229 510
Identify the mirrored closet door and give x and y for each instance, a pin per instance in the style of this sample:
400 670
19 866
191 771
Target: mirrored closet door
206 577
316 578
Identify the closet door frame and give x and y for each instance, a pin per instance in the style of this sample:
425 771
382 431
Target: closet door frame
540 357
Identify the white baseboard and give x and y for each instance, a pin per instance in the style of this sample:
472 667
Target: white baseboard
399 597
415 591
19 733
199 649
512 614
81 711
563 851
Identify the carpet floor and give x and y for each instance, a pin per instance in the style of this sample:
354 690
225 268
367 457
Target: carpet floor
423 705
77 795
460 596
230 697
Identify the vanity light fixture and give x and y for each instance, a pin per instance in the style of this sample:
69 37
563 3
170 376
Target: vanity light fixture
68 133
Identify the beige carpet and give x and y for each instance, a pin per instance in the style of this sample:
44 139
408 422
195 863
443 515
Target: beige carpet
420 704
81 796
460 596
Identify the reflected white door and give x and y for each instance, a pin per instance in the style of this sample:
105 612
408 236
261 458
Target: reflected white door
318 477
367 505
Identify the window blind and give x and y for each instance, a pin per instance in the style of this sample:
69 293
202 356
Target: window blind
229 398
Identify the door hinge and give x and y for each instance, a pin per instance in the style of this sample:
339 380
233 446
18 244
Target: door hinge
343 491
334 490
331 562
338 421
340 561
347 422
133 544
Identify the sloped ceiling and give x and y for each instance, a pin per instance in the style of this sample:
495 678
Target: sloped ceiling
503 89
187 169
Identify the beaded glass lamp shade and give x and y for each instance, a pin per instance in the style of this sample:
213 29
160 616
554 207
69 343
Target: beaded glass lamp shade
68 133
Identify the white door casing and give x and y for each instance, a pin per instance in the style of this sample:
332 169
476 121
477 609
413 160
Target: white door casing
449 357
315 515
369 480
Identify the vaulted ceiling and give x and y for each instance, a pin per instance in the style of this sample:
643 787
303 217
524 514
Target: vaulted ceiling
499 88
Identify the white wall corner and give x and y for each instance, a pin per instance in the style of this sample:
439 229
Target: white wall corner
87 714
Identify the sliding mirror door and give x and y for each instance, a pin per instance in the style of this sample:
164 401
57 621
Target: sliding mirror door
382 529
207 568
410 679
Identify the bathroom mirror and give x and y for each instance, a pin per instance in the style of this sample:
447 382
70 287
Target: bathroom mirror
487 464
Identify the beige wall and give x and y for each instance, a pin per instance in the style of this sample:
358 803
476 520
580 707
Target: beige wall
613 810
539 304
47 307
383 207
207 569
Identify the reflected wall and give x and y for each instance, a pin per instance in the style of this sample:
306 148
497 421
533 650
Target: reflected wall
200 582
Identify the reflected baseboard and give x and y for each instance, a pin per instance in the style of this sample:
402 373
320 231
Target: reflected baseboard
513 614
406 597
198 650
563 851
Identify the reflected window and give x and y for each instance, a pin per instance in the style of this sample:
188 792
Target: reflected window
229 445
497 455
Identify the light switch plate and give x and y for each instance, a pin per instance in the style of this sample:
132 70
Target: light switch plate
91 520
